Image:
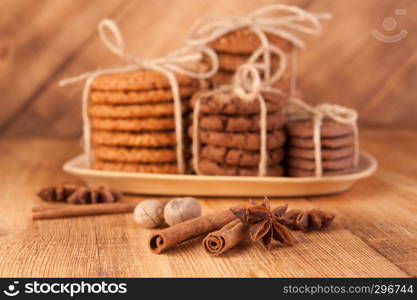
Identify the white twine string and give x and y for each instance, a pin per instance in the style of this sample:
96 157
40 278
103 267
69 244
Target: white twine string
278 19
111 36
247 85
293 81
336 113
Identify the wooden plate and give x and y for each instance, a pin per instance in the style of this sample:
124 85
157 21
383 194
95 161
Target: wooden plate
193 185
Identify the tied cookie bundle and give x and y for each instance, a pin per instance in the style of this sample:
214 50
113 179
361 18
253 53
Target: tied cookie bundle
236 38
321 140
133 115
237 129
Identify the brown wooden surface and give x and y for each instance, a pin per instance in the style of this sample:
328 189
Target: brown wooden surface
374 234
44 41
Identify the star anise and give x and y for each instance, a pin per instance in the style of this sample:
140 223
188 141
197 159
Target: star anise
75 194
314 219
263 224
86 195
57 193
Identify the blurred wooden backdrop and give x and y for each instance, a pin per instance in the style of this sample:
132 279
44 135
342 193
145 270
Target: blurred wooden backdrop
43 41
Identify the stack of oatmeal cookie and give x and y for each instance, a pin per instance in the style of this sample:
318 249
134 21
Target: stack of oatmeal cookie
132 121
229 135
337 148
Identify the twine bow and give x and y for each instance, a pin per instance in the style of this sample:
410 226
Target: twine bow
111 37
279 19
247 85
337 113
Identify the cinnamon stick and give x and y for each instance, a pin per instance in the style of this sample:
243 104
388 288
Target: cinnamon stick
65 211
174 235
48 207
232 234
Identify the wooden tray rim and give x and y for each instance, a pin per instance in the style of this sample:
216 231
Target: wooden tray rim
72 167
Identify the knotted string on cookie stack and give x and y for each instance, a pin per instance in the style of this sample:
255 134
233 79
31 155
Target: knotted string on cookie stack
166 65
247 86
279 19
337 113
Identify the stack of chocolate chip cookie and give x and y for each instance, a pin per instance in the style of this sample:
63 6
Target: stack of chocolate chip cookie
132 121
229 135
235 49
337 148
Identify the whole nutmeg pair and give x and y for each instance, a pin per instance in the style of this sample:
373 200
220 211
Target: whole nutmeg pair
152 213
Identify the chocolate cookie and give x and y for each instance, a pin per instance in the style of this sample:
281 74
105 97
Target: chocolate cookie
135 111
240 123
225 103
329 128
139 97
224 77
325 153
168 168
294 172
238 157
231 62
246 42
140 80
208 167
309 164
135 155
246 141
154 139
332 143
133 124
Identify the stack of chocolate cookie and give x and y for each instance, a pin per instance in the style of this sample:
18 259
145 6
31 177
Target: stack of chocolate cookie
132 121
337 148
235 49
229 135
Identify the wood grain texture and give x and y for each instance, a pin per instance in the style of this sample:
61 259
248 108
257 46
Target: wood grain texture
39 45
374 233
346 65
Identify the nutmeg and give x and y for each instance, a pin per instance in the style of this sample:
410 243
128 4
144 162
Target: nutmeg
149 213
179 210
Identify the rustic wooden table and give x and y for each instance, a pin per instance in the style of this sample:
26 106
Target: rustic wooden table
374 234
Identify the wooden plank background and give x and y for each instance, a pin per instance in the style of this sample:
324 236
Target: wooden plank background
44 41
